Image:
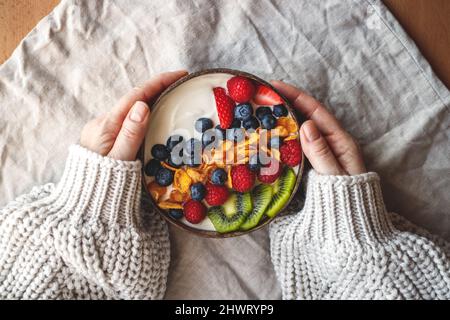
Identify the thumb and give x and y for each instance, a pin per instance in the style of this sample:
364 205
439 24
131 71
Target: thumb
131 133
317 150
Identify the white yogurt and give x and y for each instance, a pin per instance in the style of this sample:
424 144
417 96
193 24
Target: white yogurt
177 112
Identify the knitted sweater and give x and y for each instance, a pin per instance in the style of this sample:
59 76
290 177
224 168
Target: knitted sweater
85 238
345 245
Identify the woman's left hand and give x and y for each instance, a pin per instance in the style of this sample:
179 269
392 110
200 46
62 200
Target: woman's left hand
119 133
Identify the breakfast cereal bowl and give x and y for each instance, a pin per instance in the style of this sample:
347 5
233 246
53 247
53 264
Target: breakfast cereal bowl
222 155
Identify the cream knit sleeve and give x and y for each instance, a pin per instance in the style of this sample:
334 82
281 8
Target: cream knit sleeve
85 237
345 245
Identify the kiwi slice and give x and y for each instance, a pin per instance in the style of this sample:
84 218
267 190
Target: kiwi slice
261 195
282 189
232 213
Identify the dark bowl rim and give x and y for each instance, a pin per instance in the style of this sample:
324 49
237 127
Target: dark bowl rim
215 234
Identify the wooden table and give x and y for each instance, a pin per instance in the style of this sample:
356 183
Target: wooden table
427 22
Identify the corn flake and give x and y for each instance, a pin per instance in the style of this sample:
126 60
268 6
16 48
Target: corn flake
229 181
156 190
177 196
288 123
170 205
182 181
292 137
280 131
195 175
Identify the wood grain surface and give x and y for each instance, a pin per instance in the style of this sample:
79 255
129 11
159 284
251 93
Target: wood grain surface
426 21
428 24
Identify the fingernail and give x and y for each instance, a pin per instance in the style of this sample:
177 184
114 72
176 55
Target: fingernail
138 112
311 132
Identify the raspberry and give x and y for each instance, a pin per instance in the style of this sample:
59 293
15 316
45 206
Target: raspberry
216 195
269 174
225 107
240 89
291 153
194 211
242 178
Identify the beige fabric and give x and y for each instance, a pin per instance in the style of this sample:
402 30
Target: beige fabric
350 54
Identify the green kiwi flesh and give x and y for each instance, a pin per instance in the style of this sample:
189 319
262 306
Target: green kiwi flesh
282 189
230 216
261 195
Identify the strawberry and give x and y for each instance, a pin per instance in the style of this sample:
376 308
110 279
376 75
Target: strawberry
265 96
225 107
269 174
240 89
242 178
216 195
194 211
291 153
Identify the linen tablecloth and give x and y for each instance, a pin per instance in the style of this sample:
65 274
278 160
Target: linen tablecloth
352 55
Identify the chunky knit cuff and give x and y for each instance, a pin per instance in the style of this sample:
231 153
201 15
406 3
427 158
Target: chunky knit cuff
346 209
99 190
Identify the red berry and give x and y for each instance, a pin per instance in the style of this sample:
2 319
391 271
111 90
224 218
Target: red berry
242 178
240 89
216 195
194 211
270 173
225 107
291 153
265 96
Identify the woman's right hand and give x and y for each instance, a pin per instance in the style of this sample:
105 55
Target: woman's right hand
329 148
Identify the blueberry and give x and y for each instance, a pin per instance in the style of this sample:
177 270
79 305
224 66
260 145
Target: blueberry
261 111
251 123
275 142
254 163
219 176
164 177
152 167
211 138
160 152
198 191
280 111
243 111
236 135
193 146
268 122
203 124
176 213
236 123
173 141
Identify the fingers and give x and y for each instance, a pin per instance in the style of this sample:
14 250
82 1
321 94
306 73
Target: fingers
131 133
309 107
318 152
146 93
347 152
